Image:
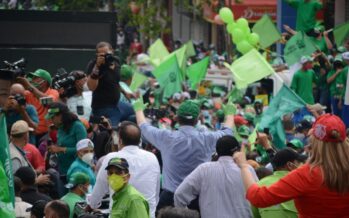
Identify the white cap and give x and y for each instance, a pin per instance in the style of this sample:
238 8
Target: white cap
345 56
176 96
306 59
142 59
186 95
20 127
84 143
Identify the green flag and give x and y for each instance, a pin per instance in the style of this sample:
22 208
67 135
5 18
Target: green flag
340 33
299 45
285 101
267 31
253 137
182 59
168 75
235 95
137 80
249 68
196 72
190 49
157 52
7 195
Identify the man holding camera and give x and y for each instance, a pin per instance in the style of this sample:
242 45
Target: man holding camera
40 95
103 81
16 108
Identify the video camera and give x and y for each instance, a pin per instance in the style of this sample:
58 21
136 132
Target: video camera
15 69
110 59
66 81
20 99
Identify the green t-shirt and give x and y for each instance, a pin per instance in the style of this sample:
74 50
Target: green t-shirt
336 86
129 203
343 80
283 210
306 13
302 84
320 44
69 139
71 199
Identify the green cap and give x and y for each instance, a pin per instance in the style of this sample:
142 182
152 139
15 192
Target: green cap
77 178
244 130
341 49
320 28
43 74
126 72
295 143
188 110
249 117
118 162
338 58
51 113
220 113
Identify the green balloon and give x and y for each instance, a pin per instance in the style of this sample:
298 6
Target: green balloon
253 39
242 23
226 15
244 47
231 27
238 35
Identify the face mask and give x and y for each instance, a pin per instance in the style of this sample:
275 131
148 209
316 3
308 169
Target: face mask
37 85
88 158
116 182
85 88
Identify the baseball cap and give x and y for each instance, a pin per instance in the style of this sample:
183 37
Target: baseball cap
84 143
295 143
244 130
249 117
329 128
20 127
43 74
239 120
306 59
304 124
286 155
77 178
188 109
345 56
118 162
341 49
126 72
55 108
142 59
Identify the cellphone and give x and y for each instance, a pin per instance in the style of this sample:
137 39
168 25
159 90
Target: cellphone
80 109
45 101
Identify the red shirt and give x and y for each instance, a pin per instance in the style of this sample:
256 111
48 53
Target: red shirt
34 157
312 198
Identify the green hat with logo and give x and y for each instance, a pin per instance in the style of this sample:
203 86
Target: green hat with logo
126 72
51 113
220 113
43 74
118 162
295 143
249 116
188 110
77 178
244 130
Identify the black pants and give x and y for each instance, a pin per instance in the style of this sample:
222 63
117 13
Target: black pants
167 199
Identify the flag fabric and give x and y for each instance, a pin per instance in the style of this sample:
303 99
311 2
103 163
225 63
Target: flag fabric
286 101
249 68
252 138
157 52
7 195
137 80
182 60
168 75
190 50
341 32
235 95
267 31
299 45
196 72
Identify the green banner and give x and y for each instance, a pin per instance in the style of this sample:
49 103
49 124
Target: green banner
341 33
267 31
196 72
299 45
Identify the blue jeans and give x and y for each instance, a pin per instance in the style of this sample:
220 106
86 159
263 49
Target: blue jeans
123 111
334 107
345 115
127 112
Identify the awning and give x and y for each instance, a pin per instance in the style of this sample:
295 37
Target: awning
253 10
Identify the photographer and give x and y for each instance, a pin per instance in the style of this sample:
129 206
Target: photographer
16 108
103 81
39 89
80 103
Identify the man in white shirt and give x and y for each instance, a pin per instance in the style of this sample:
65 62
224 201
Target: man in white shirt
143 166
345 75
217 184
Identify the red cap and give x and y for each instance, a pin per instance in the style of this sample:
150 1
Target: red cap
326 125
239 120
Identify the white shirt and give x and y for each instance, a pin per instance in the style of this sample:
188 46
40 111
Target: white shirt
21 208
219 188
144 170
346 96
84 100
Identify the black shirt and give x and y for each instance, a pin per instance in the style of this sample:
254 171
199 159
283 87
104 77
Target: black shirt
107 93
31 195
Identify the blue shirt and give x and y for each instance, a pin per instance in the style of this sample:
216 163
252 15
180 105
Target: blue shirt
182 150
13 116
80 166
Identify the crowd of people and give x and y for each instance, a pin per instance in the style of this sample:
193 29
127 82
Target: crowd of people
108 151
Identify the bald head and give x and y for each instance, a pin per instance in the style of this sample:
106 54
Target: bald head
17 88
129 133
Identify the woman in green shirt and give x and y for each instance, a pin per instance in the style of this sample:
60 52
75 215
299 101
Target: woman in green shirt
70 131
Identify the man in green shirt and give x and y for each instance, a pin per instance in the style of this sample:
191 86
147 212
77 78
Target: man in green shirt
334 79
78 185
128 202
306 13
302 82
283 162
